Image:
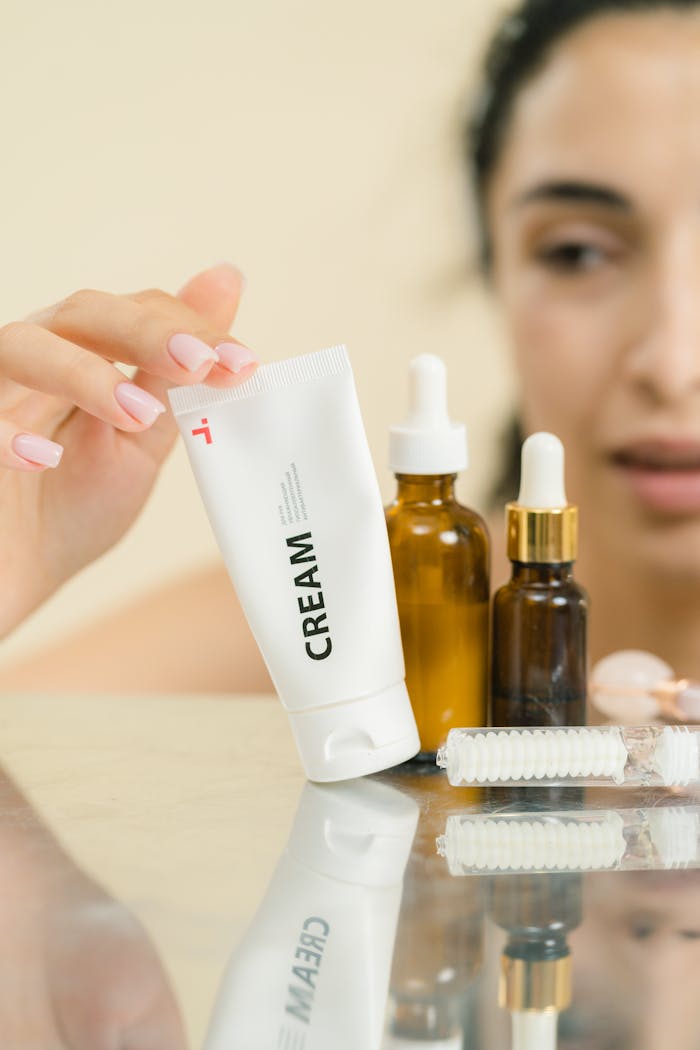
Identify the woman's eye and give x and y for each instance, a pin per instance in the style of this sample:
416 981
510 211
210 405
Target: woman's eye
571 257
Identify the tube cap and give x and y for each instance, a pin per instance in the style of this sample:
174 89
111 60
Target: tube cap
359 832
357 737
427 442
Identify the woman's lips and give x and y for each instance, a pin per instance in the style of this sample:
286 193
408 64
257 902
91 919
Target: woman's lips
663 475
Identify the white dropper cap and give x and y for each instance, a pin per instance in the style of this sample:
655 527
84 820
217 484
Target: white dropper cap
398 1042
542 473
534 1029
427 442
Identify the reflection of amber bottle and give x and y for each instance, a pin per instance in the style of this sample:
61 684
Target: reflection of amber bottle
440 554
439 946
539 616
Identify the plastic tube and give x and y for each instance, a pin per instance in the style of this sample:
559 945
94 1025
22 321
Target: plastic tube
286 475
660 838
638 756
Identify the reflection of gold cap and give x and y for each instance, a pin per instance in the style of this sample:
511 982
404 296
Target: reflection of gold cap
542 535
543 984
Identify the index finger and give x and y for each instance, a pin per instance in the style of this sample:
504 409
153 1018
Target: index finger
118 328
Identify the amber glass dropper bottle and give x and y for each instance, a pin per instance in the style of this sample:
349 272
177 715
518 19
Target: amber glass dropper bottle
440 554
539 658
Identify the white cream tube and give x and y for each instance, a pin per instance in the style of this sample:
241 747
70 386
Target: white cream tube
286 475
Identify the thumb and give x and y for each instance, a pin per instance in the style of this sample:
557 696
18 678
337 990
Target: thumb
215 294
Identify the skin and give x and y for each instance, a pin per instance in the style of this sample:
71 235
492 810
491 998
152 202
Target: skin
599 290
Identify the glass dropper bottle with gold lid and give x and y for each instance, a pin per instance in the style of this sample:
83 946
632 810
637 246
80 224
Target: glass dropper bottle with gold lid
440 553
540 616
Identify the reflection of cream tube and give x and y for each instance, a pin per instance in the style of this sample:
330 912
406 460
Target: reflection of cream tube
313 969
284 469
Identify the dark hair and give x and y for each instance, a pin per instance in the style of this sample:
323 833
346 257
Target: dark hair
518 50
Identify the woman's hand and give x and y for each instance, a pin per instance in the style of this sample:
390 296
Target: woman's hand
64 405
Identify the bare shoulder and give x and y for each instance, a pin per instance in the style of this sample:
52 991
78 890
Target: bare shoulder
189 635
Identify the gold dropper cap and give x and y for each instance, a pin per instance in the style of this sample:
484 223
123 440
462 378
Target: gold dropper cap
535 984
539 534
541 526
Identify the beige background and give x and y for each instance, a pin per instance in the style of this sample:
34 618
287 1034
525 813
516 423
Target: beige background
314 144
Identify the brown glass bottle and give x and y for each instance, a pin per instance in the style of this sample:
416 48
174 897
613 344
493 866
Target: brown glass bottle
539 645
539 663
537 911
440 554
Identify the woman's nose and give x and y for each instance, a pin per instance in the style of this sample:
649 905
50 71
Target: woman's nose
664 358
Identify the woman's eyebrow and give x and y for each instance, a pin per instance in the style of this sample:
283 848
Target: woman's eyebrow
574 191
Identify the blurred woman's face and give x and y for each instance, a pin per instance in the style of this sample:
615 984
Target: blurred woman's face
595 216
636 958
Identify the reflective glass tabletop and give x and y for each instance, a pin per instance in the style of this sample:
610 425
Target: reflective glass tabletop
170 880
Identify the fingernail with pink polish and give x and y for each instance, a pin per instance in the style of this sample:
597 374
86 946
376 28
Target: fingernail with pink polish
141 406
189 352
37 449
234 356
232 268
